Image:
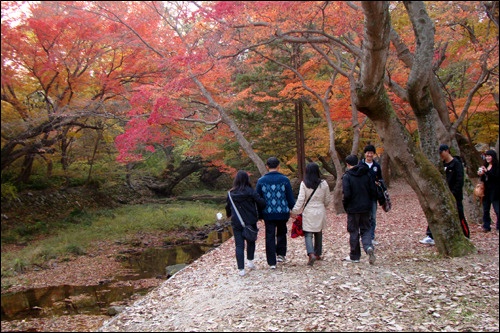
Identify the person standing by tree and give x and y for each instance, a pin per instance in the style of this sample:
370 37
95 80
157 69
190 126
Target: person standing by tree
249 204
316 193
359 190
489 174
454 171
276 189
376 172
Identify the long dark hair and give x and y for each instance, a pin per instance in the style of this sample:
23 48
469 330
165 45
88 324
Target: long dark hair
312 177
494 159
241 181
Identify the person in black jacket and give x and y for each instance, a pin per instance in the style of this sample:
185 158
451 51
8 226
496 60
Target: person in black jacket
359 191
454 171
489 174
250 205
376 173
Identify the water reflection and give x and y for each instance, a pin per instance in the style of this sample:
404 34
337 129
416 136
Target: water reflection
154 261
62 300
67 299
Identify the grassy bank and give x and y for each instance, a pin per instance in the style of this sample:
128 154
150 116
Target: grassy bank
63 239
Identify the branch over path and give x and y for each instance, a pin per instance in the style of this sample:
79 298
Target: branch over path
410 288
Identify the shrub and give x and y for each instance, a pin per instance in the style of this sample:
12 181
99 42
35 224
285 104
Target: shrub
9 191
19 265
79 216
75 249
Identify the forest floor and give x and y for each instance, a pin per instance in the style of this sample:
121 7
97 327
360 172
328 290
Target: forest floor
409 288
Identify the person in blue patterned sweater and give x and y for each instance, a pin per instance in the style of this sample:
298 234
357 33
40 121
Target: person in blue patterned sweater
276 189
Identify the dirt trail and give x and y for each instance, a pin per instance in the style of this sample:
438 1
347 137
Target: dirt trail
408 289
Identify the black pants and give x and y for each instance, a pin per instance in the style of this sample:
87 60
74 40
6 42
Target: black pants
358 225
461 216
276 242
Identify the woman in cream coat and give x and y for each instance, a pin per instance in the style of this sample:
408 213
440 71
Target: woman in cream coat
314 214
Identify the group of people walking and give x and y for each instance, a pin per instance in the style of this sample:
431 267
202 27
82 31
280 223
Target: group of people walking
273 201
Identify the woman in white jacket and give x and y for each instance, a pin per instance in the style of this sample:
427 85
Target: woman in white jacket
314 212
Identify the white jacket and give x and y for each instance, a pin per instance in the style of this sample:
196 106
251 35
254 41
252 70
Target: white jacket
314 215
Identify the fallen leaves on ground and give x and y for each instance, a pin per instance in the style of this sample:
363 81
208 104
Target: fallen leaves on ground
410 287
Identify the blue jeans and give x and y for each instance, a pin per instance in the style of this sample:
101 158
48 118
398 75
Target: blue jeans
487 203
315 247
373 219
276 242
358 225
239 243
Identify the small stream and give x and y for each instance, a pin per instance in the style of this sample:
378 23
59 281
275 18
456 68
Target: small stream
98 299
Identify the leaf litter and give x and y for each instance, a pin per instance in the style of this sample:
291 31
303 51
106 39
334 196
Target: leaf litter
410 287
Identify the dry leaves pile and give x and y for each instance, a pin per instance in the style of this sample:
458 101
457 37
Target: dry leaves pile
410 288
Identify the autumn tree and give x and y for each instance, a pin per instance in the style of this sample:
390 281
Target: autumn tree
371 98
184 45
177 64
341 46
61 70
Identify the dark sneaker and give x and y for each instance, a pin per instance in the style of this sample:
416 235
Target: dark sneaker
312 259
371 255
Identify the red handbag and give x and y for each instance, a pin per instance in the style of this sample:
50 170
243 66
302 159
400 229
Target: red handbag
297 227
297 224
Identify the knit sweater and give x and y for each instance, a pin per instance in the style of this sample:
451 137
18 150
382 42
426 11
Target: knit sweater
276 189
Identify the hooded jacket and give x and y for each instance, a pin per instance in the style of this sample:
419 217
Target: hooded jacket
250 205
358 189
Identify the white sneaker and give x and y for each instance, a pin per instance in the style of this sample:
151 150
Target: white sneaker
272 267
251 265
427 240
242 272
280 258
374 242
348 259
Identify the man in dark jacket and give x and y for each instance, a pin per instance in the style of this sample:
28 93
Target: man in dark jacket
359 191
454 171
376 173
276 189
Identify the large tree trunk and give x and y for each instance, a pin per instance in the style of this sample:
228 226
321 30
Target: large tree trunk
427 99
173 177
435 198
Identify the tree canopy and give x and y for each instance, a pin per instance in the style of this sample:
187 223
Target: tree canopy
232 83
